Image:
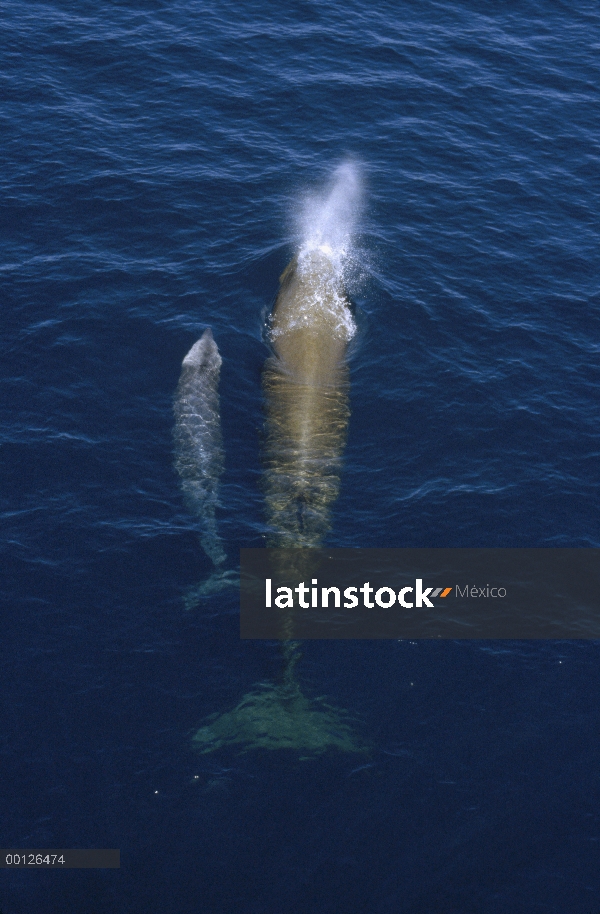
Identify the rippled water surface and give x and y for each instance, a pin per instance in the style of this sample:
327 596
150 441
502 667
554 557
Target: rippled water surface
157 160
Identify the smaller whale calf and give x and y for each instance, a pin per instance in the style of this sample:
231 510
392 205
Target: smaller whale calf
199 457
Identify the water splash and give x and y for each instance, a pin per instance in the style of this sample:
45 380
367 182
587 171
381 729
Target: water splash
327 221
326 264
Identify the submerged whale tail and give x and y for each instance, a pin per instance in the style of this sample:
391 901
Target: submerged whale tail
199 457
279 717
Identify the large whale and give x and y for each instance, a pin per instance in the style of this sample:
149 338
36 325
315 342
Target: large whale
306 391
306 387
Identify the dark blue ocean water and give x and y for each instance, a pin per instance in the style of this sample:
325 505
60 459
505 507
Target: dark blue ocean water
153 159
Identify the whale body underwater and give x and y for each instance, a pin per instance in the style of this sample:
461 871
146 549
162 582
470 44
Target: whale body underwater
199 457
306 390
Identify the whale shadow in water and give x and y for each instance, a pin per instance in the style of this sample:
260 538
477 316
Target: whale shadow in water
306 393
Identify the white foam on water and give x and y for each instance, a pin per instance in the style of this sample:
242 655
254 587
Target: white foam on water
326 225
327 221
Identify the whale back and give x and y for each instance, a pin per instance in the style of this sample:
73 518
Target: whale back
306 392
311 322
199 457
